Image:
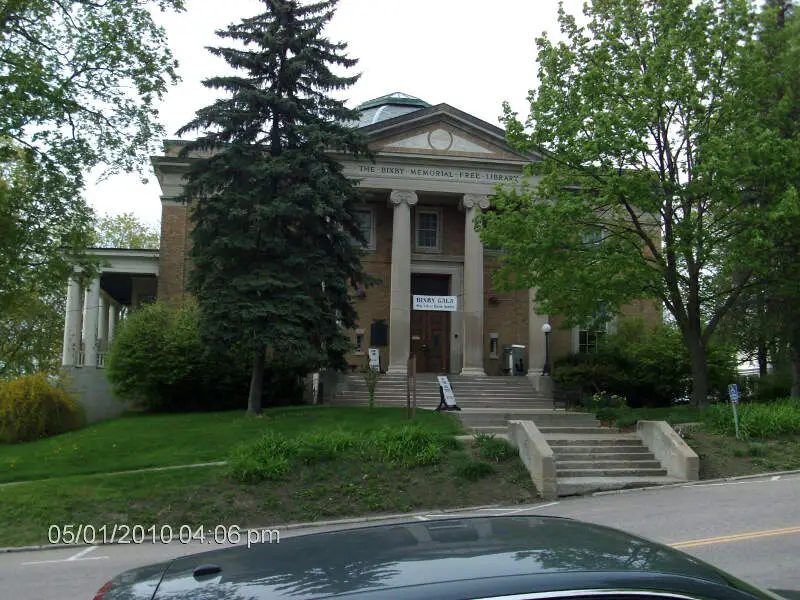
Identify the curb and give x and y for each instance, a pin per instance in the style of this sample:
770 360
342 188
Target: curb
694 483
286 526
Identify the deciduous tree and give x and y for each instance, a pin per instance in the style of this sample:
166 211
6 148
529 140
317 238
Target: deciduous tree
639 123
79 84
125 231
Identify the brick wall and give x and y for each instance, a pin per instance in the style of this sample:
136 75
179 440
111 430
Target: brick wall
506 314
174 261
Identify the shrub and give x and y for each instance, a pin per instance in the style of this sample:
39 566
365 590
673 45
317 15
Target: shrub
274 455
473 470
32 407
408 446
159 361
493 448
648 366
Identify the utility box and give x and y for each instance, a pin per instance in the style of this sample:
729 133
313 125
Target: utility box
514 360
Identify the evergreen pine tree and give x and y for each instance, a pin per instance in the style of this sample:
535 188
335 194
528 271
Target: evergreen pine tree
274 231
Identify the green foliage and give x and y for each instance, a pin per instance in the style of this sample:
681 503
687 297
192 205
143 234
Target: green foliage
158 360
494 448
273 213
274 455
79 83
757 420
124 231
642 128
371 378
766 320
31 335
650 366
473 470
90 95
35 407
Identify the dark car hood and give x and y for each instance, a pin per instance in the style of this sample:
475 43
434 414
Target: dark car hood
500 555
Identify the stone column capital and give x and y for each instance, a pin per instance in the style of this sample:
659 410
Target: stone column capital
398 197
472 200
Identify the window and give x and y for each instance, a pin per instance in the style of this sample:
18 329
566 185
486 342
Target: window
588 340
592 334
427 230
366 223
359 341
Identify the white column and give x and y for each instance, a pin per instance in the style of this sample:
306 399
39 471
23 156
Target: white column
92 318
73 323
102 323
473 287
536 341
400 302
113 317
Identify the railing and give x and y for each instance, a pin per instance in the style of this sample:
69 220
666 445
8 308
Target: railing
101 359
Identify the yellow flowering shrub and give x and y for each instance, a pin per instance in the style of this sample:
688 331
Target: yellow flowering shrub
32 407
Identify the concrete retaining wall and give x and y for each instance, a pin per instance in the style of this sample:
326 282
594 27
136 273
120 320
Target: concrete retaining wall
90 386
537 456
670 450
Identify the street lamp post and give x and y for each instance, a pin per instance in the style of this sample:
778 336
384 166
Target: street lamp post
546 329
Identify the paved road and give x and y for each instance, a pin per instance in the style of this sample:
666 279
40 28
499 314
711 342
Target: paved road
750 528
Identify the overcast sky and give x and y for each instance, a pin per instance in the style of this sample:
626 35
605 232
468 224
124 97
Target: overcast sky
471 54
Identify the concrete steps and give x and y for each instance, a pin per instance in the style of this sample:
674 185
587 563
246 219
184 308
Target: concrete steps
606 460
588 457
471 392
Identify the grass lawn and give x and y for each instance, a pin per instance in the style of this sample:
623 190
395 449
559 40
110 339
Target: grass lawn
208 496
670 414
725 456
141 441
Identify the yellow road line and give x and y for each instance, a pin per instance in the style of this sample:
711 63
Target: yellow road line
735 538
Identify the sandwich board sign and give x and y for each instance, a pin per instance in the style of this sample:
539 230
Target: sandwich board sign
374 359
447 399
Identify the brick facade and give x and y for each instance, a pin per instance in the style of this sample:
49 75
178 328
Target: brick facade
174 261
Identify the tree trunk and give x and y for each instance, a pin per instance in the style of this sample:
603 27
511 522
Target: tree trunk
761 355
699 364
256 382
795 393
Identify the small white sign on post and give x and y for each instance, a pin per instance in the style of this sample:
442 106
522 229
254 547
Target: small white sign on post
443 303
449 396
374 359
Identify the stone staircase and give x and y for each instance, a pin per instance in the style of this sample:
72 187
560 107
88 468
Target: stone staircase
602 458
588 457
508 393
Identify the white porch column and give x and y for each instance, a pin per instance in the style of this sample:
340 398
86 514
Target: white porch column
102 323
473 287
536 342
73 323
400 302
113 317
92 318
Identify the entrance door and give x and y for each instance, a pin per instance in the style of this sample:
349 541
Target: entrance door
430 329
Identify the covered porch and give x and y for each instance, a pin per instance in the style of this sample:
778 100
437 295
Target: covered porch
94 308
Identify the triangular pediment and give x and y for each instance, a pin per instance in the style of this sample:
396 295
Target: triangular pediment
442 131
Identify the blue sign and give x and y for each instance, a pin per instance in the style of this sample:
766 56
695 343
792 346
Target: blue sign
733 392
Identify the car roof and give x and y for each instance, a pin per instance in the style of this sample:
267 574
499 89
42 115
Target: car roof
490 555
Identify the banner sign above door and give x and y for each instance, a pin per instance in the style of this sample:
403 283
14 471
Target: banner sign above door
444 303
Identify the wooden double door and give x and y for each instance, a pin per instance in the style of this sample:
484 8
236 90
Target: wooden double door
430 329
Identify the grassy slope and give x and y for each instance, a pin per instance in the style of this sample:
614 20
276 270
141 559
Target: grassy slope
208 496
142 441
